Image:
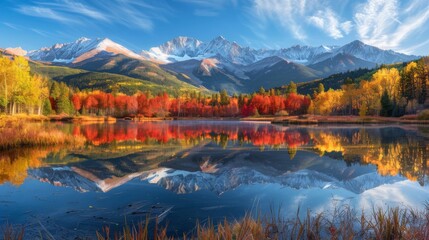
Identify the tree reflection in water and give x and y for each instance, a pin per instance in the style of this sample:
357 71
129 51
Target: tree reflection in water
393 150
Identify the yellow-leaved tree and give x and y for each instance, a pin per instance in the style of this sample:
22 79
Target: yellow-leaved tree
21 92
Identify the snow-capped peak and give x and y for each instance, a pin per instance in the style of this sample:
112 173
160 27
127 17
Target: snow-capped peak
372 54
328 48
184 48
80 50
229 53
180 46
83 39
177 49
17 51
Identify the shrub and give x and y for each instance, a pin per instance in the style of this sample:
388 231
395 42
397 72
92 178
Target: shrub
282 113
423 115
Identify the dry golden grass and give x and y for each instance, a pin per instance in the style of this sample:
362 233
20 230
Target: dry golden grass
11 233
21 133
23 117
343 223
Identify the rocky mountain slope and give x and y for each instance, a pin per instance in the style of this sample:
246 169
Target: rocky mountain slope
217 64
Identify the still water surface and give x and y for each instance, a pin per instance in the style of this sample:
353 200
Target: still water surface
184 171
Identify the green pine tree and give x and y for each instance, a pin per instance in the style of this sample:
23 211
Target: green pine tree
292 88
321 88
47 108
224 98
386 105
55 90
64 104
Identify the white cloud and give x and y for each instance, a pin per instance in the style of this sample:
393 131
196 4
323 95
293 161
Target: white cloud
284 12
317 21
296 15
375 19
387 24
328 21
346 26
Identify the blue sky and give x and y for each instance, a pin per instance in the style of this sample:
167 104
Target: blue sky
389 24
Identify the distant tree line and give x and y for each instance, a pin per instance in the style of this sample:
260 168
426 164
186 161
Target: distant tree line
388 92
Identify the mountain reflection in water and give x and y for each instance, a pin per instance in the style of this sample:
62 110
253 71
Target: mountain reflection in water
243 161
124 149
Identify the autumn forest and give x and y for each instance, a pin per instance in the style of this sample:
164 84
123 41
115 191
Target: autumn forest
390 91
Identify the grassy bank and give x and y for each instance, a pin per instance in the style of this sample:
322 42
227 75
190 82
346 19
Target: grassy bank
60 117
16 133
23 117
342 223
258 119
85 119
298 120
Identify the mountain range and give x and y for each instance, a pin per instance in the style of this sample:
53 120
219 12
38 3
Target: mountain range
192 171
214 65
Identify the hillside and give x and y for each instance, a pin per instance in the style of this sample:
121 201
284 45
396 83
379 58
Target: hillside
188 63
139 69
341 63
84 79
281 73
335 81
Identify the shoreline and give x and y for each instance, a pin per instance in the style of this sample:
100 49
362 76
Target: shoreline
287 120
346 120
342 221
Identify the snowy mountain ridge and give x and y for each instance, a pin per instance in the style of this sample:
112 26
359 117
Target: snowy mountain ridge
184 48
222 64
80 50
184 182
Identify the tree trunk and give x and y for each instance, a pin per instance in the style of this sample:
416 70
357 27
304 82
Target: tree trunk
13 108
5 92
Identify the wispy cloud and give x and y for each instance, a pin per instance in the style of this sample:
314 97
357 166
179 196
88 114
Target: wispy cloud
218 4
130 14
287 12
295 16
374 19
76 8
43 12
206 8
11 25
329 22
40 32
388 24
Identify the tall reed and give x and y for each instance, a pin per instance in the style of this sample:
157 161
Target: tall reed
342 223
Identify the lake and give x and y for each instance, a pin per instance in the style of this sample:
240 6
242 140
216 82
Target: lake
184 171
